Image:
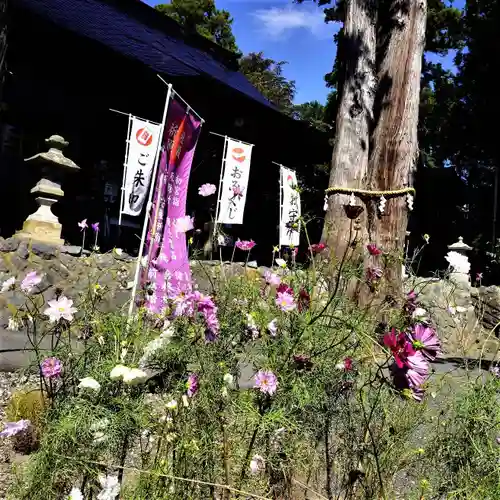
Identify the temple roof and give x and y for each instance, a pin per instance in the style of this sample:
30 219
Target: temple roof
139 32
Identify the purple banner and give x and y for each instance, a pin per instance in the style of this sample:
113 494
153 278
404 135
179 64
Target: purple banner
166 271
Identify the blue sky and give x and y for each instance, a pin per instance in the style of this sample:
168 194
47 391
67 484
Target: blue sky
285 31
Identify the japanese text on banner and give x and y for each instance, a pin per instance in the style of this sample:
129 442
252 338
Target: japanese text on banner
166 273
234 182
143 142
290 209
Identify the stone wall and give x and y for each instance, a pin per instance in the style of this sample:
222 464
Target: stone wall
64 271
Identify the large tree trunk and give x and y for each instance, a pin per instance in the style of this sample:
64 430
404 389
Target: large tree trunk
354 118
394 149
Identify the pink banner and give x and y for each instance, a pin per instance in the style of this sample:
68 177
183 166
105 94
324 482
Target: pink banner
166 272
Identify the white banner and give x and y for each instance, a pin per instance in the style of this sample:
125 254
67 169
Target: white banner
143 142
290 208
233 189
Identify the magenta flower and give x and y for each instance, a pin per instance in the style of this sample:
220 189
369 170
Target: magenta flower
266 382
317 248
425 339
245 245
192 385
51 367
285 301
284 288
373 249
400 347
30 281
83 224
207 190
271 278
95 227
13 428
479 276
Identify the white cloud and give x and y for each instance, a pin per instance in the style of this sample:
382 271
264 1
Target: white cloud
278 22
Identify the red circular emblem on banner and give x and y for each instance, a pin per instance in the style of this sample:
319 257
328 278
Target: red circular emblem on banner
289 179
144 137
238 154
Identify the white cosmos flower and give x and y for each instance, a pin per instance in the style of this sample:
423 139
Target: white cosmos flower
89 383
453 309
172 405
257 464
14 325
8 284
118 372
419 314
273 327
134 376
229 380
110 488
61 308
281 263
75 494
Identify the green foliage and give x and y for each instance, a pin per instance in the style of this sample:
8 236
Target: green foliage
314 113
201 16
267 76
27 405
465 450
342 430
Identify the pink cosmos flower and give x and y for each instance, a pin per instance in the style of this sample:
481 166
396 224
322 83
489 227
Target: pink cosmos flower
30 281
13 428
192 385
418 370
207 190
285 301
373 274
266 382
95 227
183 224
373 249
51 367
245 245
479 276
83 224
271 278
425 339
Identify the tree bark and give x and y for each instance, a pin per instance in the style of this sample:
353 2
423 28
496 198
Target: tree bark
394 149
354 118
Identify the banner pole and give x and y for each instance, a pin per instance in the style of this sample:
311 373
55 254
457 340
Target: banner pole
149 203
125 163
281 208
222 169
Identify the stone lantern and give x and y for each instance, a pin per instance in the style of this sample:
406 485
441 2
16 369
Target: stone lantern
43 225
458 261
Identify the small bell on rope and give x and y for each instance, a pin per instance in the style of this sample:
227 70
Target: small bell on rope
325 205
409 201
381 204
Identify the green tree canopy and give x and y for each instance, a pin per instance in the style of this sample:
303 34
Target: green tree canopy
266 75
203 17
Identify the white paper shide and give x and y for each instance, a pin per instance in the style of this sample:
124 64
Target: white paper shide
290 208
233 190
143 143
